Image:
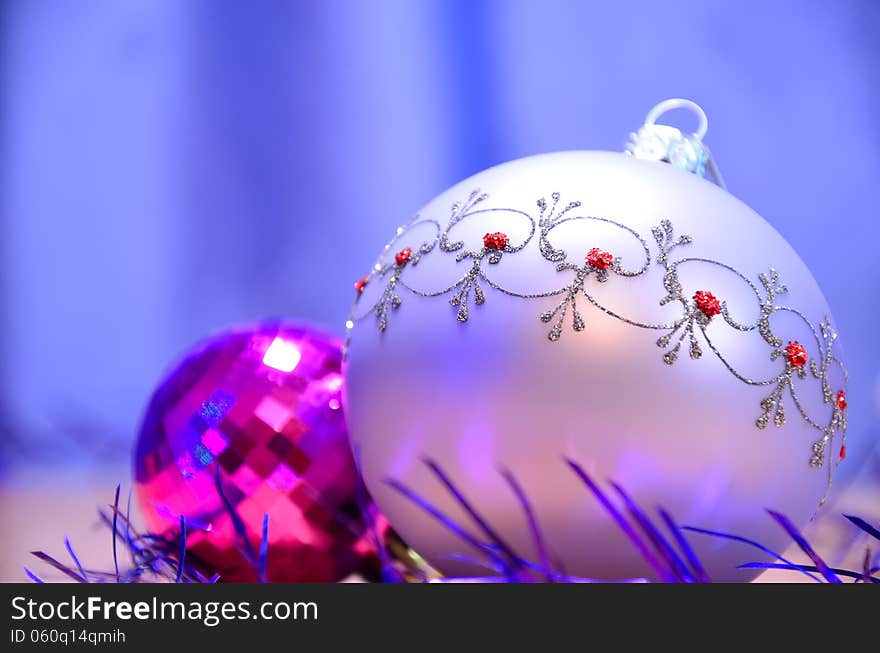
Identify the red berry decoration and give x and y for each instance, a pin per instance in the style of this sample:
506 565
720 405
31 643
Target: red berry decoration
598 259
841 400
498 240
796 354
403 256
359 284
707 303
842 451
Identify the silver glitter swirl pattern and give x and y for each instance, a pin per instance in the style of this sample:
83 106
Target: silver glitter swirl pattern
690 327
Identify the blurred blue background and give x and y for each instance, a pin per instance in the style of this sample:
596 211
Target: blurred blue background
173 167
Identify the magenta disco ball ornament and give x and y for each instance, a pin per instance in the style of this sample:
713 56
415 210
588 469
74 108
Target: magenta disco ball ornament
263 404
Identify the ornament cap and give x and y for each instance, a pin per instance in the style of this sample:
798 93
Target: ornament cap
669 144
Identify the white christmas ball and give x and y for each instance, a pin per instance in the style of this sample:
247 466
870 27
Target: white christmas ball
532 313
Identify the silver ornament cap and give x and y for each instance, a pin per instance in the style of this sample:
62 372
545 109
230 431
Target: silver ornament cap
667 144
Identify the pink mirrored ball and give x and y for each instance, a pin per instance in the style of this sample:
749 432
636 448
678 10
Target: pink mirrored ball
262 403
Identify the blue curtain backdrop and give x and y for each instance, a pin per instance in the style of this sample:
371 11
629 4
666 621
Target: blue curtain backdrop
172 167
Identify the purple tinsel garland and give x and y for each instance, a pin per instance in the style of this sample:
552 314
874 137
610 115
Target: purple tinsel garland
164 558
